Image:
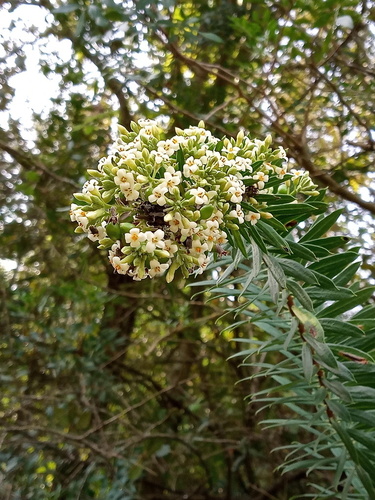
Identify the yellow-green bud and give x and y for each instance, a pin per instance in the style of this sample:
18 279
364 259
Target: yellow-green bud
82 197
95 173
95 214
266 215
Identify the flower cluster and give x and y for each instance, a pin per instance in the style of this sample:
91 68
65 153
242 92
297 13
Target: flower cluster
159 204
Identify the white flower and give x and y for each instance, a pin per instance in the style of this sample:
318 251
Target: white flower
115 250
203 263
220 240
147 130
156 268
135 237
237 214
157 195
189 229
281 171
123 177
106 161
82 221
170 247
230 149
159 157
125 180
200 196
167 147
154 240
261 178
252 217
198 247
176 141
90 186
97 233
174 221
76 211
191 166
211 233
242 164
217 216
296 174
130 193
120 267
172 178
236 193
281 153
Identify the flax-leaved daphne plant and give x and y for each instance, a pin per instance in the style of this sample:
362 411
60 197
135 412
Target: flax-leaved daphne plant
194 202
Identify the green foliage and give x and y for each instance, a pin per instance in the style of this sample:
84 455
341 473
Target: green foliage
316 352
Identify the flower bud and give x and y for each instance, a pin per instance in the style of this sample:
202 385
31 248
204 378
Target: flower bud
266 215
82 197
129 259
240 137
108 195
162 254
95 173
95 214
105 243
122 130
171 271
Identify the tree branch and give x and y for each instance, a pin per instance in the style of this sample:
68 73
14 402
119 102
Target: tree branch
33 164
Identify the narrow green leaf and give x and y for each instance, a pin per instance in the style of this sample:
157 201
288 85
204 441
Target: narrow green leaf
239 242
307 362
301 251
342 306
289 208
332 265
292 331
276 224
297 271
340 329
322 351
347 274
339 389
275 269
254 234
319 251
322 295
324 281
272 236
180 159
365 478
348 443
273 286
300 294
330 243
322 225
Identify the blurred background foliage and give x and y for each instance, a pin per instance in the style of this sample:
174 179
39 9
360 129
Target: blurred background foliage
113 389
